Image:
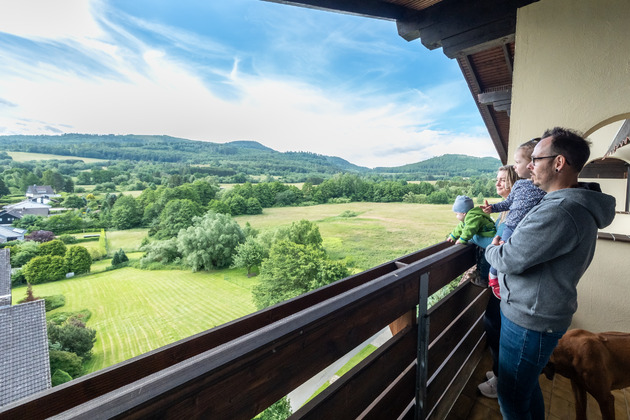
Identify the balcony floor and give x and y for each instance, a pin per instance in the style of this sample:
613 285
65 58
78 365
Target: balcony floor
559 401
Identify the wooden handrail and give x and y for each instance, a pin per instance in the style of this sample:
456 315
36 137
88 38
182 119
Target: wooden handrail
237 370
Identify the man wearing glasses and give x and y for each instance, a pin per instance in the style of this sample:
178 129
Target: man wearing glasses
540 266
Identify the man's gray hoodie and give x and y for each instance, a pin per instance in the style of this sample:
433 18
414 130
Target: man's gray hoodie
541 263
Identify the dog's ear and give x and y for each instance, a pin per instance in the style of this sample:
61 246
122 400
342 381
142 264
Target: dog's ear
549 370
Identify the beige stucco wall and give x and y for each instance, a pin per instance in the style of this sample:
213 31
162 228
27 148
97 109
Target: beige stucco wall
572 69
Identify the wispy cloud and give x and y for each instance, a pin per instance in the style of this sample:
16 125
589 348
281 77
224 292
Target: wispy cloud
320 82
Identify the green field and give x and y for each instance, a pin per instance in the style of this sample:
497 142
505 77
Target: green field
135 311
379 233
26 156
128 240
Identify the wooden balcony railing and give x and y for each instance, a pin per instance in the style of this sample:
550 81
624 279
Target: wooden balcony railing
237 370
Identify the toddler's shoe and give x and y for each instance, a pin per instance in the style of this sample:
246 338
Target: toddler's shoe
494 283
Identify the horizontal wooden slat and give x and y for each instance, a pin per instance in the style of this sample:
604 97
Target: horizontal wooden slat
440 382
446 310
399 393
445 343
346 398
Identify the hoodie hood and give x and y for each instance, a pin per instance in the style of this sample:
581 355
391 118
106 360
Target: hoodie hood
590 196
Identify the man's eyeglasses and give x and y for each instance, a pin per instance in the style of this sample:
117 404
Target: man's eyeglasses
534 159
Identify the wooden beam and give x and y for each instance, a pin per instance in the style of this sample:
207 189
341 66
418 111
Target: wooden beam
450 18
368 8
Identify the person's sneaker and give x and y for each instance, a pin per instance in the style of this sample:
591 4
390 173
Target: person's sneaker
490 374
489 388
494 283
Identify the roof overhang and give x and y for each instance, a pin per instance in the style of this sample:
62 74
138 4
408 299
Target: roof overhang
479 34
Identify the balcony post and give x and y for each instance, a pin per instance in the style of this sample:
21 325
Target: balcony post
423 347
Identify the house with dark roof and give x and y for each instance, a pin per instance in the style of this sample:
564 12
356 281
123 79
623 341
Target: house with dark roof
26 207
41 193
37 191
24 361
7 217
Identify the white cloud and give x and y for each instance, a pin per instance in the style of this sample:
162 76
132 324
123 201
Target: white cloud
48 19
149 91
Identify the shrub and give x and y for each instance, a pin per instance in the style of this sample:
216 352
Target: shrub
119 258
45 268
66 361
23 253
60 377
59 318
54 247
17 278
68 239
96 254
78 259
73 336
40 236
54 302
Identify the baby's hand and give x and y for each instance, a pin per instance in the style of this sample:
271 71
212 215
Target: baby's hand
487 208
449 240
460 242
497 241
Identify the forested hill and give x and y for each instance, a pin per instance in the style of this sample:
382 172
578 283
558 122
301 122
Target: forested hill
448 166
246 157
239 156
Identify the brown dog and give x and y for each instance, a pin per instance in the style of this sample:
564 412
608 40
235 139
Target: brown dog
595 363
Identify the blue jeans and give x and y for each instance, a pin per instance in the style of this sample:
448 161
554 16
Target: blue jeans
523 354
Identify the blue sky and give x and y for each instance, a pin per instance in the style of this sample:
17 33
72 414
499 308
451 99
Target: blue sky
291 78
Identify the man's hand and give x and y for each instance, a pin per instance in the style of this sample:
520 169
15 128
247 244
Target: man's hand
487 208
497 241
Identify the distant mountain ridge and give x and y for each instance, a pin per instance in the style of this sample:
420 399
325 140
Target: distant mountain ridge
448 165
245 156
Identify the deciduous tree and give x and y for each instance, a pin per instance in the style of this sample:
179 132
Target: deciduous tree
211 242
293 269
126 213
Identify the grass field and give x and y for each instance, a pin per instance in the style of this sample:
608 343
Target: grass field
128 240
25 157
135 311
379 233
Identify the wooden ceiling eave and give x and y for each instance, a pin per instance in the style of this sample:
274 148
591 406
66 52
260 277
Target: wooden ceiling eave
498 134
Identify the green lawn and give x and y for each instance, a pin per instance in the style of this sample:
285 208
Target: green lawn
381 232
129 240
135 311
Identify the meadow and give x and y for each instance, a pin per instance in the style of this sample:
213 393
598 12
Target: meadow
26 156
135 311
366 234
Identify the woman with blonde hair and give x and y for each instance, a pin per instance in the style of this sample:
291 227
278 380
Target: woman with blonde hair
506 177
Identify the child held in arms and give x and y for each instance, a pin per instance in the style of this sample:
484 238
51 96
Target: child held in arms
522 198
474 226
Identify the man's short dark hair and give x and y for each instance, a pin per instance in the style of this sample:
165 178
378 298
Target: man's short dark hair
570 144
